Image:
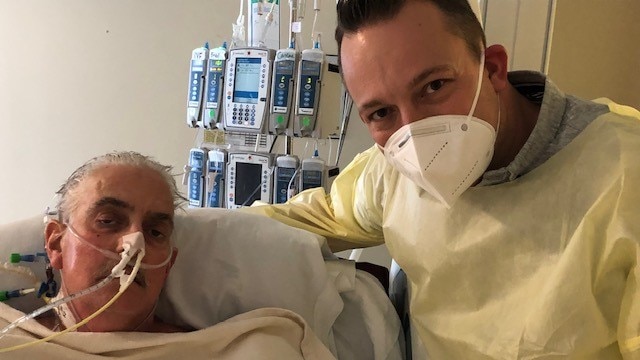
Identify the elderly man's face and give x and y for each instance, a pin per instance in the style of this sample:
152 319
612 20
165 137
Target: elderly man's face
114 200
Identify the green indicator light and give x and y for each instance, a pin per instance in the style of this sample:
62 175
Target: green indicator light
306 121
212 113
280 119
15 258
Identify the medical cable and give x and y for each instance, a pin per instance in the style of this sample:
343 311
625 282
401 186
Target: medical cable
258 138
290 190
306 146
130 249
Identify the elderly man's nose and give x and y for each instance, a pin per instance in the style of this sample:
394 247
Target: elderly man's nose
130 230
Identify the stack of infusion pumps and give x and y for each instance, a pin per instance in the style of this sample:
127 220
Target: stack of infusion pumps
252 90
255 90
218 178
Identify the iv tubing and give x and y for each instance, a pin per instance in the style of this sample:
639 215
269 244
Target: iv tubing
268 21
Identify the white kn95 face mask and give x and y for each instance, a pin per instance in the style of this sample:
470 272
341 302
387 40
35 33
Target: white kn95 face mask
445 154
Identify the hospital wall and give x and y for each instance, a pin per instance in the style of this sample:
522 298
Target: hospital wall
595 49
82 78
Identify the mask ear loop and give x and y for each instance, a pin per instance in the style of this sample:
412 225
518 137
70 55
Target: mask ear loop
499 118
477 95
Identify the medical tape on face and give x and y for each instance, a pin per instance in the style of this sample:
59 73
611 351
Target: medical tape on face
115 256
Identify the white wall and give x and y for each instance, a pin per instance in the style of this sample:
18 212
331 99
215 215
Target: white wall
595 50
79 78
522 27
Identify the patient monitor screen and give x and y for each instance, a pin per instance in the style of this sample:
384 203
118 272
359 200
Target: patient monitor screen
248 183
247 80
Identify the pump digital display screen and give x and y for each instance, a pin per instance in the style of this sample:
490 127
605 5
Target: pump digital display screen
248 183
284 67
310 75
310 68
247 80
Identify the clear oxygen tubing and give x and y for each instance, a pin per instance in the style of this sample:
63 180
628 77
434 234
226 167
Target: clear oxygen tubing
113 255
130 249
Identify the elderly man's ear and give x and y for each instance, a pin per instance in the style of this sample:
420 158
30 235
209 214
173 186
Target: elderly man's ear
53 233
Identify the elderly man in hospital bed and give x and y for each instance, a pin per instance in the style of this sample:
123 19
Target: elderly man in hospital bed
111 242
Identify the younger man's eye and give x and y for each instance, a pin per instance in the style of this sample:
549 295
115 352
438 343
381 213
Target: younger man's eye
379 114
434 86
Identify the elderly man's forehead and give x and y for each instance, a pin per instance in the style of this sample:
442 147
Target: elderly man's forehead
103 187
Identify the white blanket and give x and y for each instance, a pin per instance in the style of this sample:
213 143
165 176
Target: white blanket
268 333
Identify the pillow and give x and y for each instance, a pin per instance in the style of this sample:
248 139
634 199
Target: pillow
231 262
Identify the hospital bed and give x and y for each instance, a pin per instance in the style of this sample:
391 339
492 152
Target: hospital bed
230 263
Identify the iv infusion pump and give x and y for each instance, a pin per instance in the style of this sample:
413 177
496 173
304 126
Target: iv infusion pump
249 179
308 92
312 173
199 58
216 166
247 89
284 178
213 87
282 91
195 179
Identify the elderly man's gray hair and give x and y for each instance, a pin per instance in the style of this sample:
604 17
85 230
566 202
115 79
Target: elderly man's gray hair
115 158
